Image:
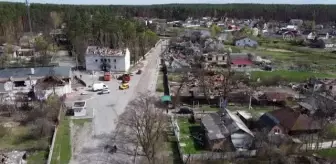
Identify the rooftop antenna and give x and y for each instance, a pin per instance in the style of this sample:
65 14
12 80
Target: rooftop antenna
28 14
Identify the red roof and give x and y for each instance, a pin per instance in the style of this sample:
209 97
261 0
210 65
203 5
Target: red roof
241 62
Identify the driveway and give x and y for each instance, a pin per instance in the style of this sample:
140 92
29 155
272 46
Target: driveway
107 108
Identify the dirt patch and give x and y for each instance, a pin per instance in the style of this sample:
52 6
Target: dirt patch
79 135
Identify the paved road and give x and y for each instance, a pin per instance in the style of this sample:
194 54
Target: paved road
108 107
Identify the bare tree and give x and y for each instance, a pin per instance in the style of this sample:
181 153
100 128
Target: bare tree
146 123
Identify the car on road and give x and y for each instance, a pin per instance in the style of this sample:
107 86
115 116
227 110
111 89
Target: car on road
139 72
104 91
84 93
185 110
124 86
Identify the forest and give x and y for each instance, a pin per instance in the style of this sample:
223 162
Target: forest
114 25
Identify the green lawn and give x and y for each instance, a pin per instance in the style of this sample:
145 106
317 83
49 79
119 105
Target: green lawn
18 138
289 76
159 83
81 122
327 153
38 157
176 77
62 148
185 137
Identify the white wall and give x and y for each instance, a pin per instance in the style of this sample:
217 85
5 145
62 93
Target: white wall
11 87
118 63
82 113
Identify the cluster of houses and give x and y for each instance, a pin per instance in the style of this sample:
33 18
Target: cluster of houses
321 37
24 48
227 130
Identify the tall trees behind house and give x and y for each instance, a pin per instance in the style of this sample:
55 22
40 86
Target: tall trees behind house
86 25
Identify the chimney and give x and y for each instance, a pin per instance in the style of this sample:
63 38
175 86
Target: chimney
32 71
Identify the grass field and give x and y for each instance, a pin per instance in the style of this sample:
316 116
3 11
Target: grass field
18 138
327 153
186 139
62 148
38 157
312 59
290 76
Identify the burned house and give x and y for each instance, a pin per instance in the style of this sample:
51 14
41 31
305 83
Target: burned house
46 79
226 131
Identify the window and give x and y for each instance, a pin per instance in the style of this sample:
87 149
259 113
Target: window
109 60
115 60
330 87
115 67
105 60
19 83
96 60
209 58
239 66
244 65
101 60
223 58
276 131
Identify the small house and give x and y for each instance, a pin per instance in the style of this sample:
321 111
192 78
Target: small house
224 130
241 63
288 121
246 42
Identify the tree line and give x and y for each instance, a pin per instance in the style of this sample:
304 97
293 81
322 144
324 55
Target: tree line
84 25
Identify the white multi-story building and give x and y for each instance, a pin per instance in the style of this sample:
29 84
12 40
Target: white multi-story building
106 59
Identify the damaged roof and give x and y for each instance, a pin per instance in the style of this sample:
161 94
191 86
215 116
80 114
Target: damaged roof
222 124
294 120
24 73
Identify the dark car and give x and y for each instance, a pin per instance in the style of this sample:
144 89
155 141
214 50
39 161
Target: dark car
139 72
185 110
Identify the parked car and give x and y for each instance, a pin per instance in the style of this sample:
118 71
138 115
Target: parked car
104 91
124 86
139 72
185 110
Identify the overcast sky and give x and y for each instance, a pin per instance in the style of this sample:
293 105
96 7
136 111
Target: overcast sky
147 2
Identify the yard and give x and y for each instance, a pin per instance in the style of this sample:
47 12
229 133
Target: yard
188 134
289 76
309 61
38 157
20 138
62 147
327 153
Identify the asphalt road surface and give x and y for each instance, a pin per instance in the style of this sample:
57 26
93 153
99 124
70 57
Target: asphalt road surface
106 109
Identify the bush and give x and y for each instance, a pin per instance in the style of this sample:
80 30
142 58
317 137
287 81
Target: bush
41 128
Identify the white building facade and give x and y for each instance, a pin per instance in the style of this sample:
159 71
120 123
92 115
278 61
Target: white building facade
23 80
106 59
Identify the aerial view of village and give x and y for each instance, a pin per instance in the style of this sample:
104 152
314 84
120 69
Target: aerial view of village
167 83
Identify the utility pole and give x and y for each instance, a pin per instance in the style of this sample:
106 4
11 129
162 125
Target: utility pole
28 14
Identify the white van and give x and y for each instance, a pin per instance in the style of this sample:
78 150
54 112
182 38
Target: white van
99 86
